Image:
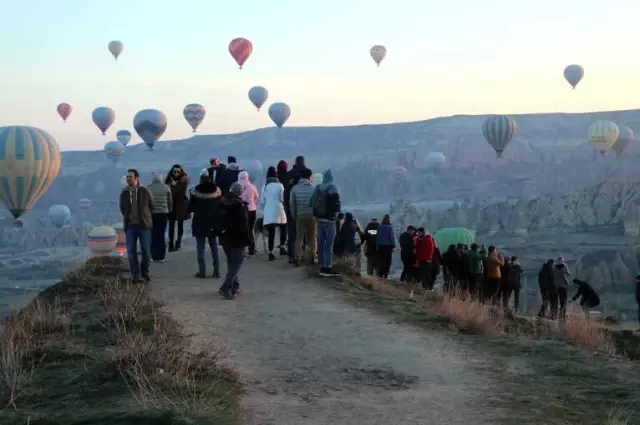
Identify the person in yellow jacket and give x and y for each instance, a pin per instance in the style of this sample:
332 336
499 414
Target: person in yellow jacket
493 263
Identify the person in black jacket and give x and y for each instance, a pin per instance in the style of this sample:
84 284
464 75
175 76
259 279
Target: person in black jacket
371 247
204 202
547 289
234 238
588 297
229 175
407 253
216 170
289 180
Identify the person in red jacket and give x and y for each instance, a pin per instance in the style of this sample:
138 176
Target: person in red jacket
425 247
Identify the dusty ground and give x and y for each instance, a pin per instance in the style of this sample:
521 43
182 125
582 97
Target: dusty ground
309 357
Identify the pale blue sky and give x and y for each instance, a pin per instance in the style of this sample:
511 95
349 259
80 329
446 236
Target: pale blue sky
444 57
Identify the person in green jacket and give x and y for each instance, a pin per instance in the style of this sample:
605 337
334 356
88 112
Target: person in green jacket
475 257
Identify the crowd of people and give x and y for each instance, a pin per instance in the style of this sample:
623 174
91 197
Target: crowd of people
226 208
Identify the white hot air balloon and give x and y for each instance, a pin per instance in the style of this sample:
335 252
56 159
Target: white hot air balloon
123 136
59 215
378 53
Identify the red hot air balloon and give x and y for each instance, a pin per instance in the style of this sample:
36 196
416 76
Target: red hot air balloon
64 110
240 49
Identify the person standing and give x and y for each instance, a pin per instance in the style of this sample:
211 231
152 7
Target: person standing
547 290
494 264
561 277
274 216
407 253
234 239
425 248
250 197
215 170
325 202
204 201
475 257
370 247
178 182
162 207
386 242
229 175
302 212
136 205
289 179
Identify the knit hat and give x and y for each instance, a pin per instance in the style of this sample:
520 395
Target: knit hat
237 189
231 159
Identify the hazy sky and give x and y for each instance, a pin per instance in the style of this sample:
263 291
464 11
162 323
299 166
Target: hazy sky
444 57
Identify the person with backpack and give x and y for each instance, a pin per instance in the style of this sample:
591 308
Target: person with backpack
370 247
204 201
325 202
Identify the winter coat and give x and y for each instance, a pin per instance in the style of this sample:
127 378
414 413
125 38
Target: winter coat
289 181
407 246
515 276
272 203
228 176
371 234
326 198
587 294
300 198
494 263
424 248
180 207
561 276
385 236
144 203
162 198
204 204
216 173
250 194
475 261
236 235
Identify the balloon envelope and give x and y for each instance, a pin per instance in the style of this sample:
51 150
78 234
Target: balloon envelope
573 74
121 239
603 134
436 160
115 47
84 204
64 110
102 240
240 49
123 136
453 236
625 137
59 215
194 114
114 150
279 113
103 117
258 95
29 163
150 124
378 53
498 130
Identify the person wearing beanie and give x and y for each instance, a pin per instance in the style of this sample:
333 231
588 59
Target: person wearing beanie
229 175
234 238
273 212
250 197
160 216
204 202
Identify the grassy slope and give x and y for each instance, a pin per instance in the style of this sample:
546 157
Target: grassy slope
94 349
536 379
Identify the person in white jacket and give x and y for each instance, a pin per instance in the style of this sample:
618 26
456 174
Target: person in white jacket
274 216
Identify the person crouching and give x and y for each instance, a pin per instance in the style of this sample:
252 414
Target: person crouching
203 203
234 238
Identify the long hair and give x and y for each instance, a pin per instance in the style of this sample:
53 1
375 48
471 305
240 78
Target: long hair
170 174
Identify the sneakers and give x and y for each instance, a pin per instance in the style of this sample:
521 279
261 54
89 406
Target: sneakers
225 295
272 257
296 263
216 275
200 275
327 272
237 293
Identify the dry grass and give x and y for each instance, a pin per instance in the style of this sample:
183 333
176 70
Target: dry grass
470 314
584 331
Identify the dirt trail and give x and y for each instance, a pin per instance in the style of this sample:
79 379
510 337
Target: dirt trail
308 357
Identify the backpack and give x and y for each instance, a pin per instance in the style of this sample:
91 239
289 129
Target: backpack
321 204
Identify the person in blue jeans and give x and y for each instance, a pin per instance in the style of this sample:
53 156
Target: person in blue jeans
163 202
325 203
136 206
234 238
204 204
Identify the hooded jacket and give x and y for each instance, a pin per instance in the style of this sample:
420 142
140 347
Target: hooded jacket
325 200
228 177
561 275
236 234
424 248
163 201
475 259
291 179
203 204
250 194
300 198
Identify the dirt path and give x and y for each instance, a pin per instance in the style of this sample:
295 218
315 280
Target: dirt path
307 357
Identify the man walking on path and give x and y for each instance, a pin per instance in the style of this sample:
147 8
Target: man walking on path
302 213
136 206
325 202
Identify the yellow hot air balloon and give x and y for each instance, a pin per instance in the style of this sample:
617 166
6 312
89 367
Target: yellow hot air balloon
29 163
102 240
603 135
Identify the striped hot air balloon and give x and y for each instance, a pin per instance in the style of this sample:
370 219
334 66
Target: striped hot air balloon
498 130
194 114
114 150
625 137
121 241
102 240
29 163
603 135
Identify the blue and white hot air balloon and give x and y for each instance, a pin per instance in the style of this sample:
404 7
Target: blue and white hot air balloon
123 136
279 113
258 95
114 150
150 124
436 160
59 215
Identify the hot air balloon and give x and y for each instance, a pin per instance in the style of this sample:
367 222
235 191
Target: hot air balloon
498 130
115 47
625 137
84 204
378 53
258 95
64 110
121 239
103 117
436 160
279 113
194 114
317 178
123 136
150 124
102 240
603 134
573 74
59 215
240 49
399 173
453 236
113 150
29 163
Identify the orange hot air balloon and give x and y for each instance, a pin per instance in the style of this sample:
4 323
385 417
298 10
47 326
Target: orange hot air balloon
240 49
64 110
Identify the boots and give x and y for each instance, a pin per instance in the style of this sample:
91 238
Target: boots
172 247
177 247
